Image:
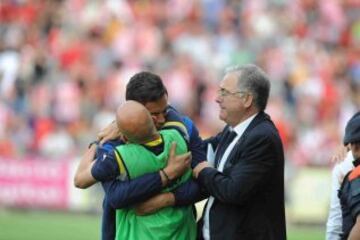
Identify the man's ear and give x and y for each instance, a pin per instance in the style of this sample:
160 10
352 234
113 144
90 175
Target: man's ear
248 100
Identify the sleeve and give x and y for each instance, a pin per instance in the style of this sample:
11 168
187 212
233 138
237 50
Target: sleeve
105 166
334 221
246 176
120 194
189 193
354 200
198 151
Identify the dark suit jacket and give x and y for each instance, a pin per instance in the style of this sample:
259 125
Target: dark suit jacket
249 194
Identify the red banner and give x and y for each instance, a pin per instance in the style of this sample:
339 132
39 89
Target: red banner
34 183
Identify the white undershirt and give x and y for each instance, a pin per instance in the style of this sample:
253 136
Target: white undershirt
239 129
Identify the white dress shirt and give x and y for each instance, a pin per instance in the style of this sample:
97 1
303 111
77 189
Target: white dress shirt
334 221
239 129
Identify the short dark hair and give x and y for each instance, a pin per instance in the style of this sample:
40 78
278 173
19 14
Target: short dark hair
253 79
352 130
145 87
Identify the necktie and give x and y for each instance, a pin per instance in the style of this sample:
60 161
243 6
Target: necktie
223 145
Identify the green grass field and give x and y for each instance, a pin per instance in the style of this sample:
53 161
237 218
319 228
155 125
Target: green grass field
34 225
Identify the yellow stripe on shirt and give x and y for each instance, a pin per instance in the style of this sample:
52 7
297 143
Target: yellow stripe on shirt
120 163
154 143
177 124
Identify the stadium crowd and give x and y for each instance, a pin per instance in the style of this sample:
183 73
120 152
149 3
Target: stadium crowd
64 66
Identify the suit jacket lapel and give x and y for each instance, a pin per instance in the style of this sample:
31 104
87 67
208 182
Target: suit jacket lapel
219 149
260 117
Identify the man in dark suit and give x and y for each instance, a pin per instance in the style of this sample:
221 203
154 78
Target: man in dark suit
246 185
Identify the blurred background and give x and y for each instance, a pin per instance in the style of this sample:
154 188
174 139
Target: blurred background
64 65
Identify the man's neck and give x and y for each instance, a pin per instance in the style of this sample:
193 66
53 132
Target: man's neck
246 116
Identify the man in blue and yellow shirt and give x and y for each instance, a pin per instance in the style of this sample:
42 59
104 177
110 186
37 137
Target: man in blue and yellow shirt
120 192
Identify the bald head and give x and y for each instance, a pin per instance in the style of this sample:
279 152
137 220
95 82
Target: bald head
135 122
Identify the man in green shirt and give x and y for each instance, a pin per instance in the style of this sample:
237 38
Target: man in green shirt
154 147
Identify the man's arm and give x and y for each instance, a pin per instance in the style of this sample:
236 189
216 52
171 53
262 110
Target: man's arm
355 231
155 203
334 221
196 146
122 194
83 177
125 193
187 194
97 164
245 177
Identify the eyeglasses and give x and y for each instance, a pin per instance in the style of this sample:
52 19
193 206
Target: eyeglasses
223 92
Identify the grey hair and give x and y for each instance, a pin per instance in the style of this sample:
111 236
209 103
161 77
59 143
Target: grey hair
253 79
